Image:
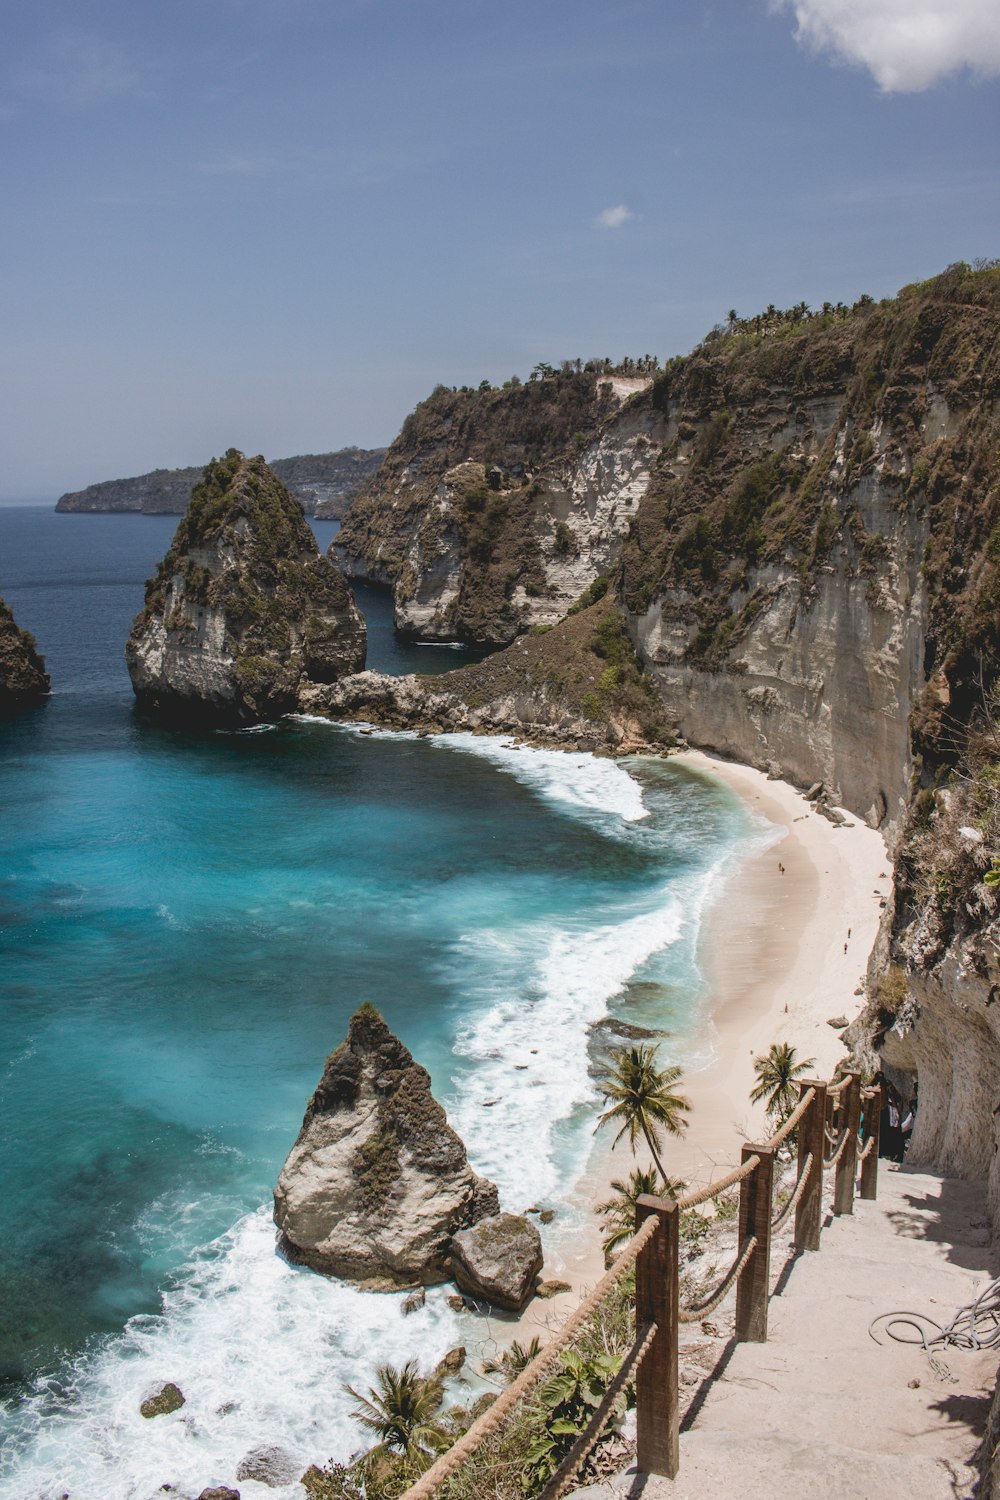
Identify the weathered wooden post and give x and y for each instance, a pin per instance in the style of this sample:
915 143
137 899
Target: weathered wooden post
657 1281
847 1166
871 1132
812 1141
753 1288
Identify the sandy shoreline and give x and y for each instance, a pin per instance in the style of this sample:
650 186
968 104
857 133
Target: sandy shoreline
773 952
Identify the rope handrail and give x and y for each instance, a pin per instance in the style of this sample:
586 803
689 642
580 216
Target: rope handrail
590 1435
833 1089
702 1195
532 1374
708 1304
866 1149
793 1119
831 1161
783 1216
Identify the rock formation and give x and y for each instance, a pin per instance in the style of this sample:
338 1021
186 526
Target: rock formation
499 1259
23 678
377 1181
243 607
800 525
323 483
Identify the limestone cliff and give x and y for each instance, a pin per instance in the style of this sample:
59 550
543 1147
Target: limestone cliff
495 509
23 678
810 571
377 1181
323 483
243 608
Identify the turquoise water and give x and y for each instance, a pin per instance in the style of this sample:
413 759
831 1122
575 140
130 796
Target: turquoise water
187 923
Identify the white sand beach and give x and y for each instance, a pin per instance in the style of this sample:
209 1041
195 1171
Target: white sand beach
784 948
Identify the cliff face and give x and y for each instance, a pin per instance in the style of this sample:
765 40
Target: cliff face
23 678
322 482
243 607
495 509
800 522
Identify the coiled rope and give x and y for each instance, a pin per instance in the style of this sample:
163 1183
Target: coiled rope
974 1326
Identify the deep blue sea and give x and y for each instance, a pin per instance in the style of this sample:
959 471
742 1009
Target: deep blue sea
186 923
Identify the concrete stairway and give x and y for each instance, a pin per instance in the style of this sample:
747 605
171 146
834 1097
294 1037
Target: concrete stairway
821 1409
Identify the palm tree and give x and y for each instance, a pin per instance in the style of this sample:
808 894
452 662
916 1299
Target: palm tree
777 1074
640 1095
400 1409
513 1360
619 1211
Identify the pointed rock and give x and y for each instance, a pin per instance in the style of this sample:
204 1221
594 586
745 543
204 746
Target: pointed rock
244 608
378 1181
23 678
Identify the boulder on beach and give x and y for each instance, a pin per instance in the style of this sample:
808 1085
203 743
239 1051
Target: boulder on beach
377 1181
498 1260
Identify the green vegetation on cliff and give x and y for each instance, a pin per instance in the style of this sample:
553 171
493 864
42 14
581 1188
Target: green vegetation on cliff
23 678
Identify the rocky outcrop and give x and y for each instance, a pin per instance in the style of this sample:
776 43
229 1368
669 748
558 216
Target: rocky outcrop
243 609
494 510
23 678
577 686
498 1260
169 1398
323 483
377 1181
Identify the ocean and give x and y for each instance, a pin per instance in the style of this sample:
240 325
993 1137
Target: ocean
187 921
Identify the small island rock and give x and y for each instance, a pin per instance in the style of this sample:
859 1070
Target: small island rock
377 1182
269 1465
498 1260
169 1399
23 678
220 1492
243 609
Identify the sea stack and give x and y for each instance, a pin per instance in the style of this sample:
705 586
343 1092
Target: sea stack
243 609
377 1182
23 678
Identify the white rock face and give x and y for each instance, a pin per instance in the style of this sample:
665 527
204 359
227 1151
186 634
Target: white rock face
377 1181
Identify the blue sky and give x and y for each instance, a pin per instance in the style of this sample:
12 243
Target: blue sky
277 224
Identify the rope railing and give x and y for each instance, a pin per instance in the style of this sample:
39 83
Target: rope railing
692 1200
652 1359
532 1374
795 1198
699 1310
590 1436
793 1119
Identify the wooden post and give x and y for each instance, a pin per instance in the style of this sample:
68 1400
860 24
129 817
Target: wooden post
871 1131
657 1281
812 1138
847 1166
754 1287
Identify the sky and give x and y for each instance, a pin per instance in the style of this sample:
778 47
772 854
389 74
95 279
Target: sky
277 224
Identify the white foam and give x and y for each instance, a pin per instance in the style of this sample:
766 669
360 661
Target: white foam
573 779
261 1351
529 1048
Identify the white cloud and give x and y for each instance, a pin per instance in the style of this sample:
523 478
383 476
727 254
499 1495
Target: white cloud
614 218
906 45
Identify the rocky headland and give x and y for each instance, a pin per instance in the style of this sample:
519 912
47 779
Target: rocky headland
23 678
797 529
243 608
323 483
378 1187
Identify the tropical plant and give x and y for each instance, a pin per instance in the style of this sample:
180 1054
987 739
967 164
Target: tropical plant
400 1409
567 1400
640 1096
778 1071
513 1360
619 1211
